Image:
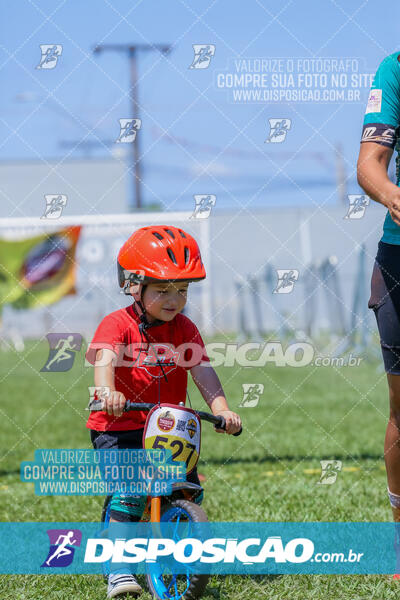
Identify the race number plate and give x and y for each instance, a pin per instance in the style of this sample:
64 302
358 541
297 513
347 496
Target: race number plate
175 428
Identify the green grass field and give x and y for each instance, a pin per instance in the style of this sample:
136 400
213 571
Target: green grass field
270 473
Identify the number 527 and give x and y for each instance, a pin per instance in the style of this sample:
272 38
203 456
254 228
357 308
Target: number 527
182 448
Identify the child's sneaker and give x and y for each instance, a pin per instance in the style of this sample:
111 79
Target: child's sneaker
122 583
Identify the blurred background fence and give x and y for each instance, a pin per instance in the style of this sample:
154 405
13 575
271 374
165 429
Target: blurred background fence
243 252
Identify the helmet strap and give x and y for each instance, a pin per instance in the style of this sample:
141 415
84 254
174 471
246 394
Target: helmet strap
141 313
143 326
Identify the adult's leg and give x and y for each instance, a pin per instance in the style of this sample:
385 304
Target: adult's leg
392 444
385 301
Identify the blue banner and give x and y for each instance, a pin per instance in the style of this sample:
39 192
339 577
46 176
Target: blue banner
219 548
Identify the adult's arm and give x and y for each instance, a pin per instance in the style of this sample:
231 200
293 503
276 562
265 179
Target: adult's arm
380 135
372 166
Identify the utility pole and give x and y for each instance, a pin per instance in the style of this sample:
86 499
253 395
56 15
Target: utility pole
132 51
341 175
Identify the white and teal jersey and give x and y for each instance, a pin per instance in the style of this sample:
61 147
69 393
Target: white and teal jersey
382 123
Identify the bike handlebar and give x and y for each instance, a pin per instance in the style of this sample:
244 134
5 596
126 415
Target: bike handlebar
217 420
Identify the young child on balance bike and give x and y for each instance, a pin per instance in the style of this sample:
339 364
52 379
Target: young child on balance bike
155 266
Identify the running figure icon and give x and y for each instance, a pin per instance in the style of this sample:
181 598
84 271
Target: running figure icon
286 280
62 549
62 351
63 543
50 53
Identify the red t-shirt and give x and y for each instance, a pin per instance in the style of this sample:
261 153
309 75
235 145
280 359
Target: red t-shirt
178 346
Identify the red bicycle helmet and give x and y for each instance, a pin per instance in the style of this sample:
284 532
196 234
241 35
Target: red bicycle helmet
159 253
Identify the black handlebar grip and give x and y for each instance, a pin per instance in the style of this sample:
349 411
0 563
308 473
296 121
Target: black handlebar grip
222 423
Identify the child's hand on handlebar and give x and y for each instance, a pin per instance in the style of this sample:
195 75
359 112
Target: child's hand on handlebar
232 420
115 403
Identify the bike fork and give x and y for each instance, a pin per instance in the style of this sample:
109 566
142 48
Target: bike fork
155 509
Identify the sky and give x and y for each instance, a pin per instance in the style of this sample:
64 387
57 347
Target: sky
195 138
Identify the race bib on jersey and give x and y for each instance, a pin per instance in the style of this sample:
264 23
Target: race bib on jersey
175 428
374 103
